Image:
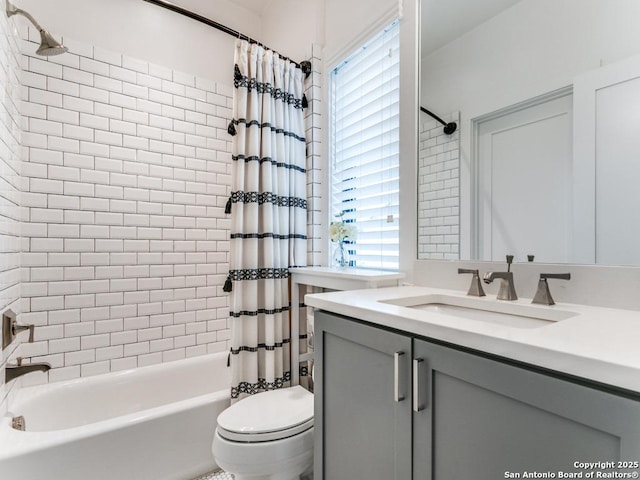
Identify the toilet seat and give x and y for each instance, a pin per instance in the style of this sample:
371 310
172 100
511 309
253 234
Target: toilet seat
268 416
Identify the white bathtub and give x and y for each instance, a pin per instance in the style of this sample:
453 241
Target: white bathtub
154 423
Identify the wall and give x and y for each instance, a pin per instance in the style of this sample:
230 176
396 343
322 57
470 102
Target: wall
438 190
10 214
141 30
127 171
348 24
125 177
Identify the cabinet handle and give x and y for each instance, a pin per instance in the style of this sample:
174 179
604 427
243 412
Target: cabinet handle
397 397
417 406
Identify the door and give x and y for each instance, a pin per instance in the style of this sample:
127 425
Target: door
483 419
363 421
523 198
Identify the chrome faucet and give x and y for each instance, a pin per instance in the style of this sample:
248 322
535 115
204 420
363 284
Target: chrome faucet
507 290
543 294
475 289
15 371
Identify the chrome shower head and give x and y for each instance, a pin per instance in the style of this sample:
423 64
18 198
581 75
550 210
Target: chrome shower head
48 44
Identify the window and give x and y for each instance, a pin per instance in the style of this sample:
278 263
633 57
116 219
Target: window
364 148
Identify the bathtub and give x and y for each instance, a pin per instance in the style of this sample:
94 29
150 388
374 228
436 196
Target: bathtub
154 423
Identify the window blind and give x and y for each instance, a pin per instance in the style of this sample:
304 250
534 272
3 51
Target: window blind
364 146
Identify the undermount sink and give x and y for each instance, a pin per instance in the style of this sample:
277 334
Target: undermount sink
485 310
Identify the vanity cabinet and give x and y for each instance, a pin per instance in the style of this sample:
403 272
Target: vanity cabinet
391 406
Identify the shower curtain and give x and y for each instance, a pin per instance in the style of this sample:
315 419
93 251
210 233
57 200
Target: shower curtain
268 209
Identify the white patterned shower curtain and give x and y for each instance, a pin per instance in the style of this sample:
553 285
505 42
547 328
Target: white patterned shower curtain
268 215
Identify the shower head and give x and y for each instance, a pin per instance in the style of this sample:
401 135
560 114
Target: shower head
48 44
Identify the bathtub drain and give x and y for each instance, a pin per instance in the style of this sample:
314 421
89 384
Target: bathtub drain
18 423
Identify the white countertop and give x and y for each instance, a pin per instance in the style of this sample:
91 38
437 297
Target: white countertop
338 278
598 344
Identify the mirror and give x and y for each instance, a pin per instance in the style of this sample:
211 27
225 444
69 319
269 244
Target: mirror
546 157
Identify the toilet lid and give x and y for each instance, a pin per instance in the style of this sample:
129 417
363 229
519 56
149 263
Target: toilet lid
268 416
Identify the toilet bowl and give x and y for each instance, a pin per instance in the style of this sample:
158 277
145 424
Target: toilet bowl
268 436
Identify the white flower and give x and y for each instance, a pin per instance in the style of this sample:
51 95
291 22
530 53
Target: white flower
340 231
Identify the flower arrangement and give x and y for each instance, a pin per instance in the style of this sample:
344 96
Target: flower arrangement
339 231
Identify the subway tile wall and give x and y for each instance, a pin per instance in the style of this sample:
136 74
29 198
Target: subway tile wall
125 242
438 190
10 151
316 240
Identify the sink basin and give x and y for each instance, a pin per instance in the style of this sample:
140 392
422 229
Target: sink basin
485 310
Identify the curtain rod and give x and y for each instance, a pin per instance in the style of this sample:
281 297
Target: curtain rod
305 66
449 128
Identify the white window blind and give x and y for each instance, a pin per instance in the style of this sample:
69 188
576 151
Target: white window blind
364 146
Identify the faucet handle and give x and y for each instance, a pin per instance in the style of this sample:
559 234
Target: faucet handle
559 276
16 329
543 294
475 289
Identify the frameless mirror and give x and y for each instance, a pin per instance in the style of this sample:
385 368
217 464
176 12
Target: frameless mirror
546 157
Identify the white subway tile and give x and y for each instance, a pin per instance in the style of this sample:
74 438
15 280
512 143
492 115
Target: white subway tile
77 104
79 301
107 56
50 157
63 86
109 111
136 91
80 357
122 153
93 94
135 64
147 106
159 97
108 138
120 364
34 140
96 368
122 74
63 144
120 100
149 81
45 98
160 72
46 127
107 353
61 115
94 121
135 116
43 67
77 76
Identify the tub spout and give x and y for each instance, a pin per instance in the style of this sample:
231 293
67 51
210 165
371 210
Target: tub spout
14 371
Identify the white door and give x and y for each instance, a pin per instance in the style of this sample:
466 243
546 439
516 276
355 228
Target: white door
523 191
607 163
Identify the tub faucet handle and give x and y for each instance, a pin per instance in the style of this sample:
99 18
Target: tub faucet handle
16 329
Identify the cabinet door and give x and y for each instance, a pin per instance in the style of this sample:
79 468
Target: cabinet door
363 420
483 419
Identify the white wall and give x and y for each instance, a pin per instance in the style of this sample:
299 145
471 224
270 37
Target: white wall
125 239
348 23
10 182
142 30
533 48
291 27
125 174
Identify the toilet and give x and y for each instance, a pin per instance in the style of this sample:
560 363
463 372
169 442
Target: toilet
267 436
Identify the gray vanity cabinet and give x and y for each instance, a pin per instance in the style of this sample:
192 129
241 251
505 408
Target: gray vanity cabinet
458 416
480 418
363 420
